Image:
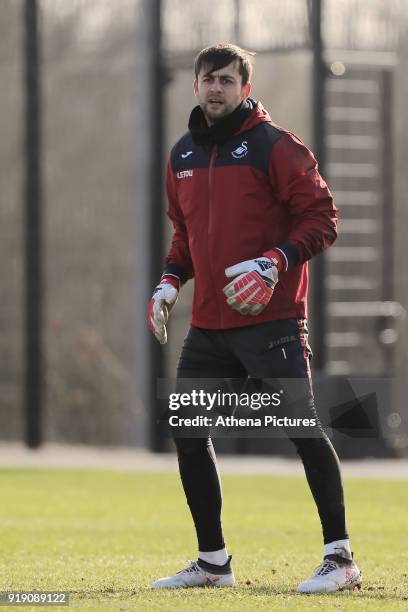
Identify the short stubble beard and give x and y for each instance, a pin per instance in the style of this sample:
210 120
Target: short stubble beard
211 120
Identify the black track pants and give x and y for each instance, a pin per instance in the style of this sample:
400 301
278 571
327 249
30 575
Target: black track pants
277 349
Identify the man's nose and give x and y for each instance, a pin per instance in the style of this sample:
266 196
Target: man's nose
216 85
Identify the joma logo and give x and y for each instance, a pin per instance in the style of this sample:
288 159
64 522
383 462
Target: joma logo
184 174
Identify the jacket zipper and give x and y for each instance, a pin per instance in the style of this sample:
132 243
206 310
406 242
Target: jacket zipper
211 166
210 205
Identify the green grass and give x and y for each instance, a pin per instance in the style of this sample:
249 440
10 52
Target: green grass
104 536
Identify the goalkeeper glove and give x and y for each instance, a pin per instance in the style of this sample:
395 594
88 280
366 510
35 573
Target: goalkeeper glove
254 282
163 299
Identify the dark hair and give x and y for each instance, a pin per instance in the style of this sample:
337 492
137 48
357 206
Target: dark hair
220 55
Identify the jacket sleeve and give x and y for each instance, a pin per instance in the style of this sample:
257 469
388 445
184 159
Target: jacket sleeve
296 180
178 261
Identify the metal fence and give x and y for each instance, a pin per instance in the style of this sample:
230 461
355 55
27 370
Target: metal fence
358 25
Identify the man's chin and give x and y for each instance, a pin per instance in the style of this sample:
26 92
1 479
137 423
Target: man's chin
213 117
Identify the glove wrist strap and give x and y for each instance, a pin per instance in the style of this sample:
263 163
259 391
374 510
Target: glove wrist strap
169 279
279 259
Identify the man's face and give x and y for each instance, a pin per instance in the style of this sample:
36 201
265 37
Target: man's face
220 92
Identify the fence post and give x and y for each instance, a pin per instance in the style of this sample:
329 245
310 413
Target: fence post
33 236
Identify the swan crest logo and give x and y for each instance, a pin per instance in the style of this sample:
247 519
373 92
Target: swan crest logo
240 151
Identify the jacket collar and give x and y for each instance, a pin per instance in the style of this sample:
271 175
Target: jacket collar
223 129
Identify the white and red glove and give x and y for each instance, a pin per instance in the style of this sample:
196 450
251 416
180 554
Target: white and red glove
163 299
253 285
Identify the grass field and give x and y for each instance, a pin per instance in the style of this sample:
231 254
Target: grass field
104 536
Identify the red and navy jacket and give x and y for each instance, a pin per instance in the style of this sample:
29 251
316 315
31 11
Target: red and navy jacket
258 190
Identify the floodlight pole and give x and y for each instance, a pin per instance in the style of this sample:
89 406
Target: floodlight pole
33 226
149 362
157 360
319 324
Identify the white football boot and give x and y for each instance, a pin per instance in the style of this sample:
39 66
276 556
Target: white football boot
199 574
334 574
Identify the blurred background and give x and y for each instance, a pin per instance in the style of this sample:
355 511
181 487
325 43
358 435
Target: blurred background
93 95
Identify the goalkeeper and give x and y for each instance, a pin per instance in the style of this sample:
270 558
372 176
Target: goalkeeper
249 209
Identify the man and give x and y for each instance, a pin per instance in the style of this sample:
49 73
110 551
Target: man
249 209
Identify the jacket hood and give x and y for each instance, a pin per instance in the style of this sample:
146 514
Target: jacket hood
258 115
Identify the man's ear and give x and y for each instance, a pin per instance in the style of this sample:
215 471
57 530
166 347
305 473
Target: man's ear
247 90
195 87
